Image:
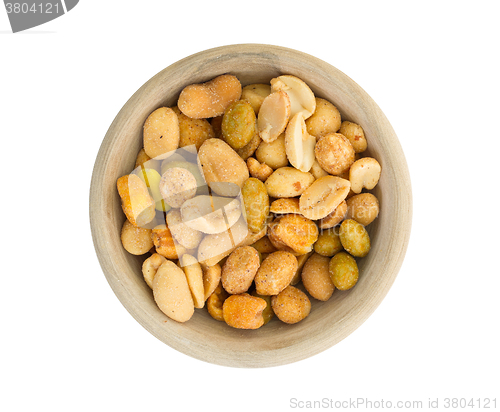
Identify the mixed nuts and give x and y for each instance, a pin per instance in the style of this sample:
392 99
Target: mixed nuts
248 200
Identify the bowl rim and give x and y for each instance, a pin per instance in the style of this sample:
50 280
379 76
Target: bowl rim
399 244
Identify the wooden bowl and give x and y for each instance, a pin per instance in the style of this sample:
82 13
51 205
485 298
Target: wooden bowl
277 343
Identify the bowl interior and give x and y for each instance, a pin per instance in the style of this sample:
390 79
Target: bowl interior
277 343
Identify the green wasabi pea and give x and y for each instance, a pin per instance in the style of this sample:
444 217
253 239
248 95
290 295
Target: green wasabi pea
238 124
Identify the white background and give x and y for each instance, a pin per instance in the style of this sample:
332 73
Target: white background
66 342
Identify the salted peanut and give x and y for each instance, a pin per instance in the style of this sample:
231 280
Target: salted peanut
288 182
238 124
301 260
343 271
210 99
299 144
275 273
214 248
264 246
137 203
363 208
194 276
249 149
317 171
183 164
187 236
273 116
335 217
244 311
135 240
267 313
210 214
334 153
293 231
193 131
239 270
177 185
323 196
354 238
215 302
258 170
328 243
301 96
285 206
211 278
216 124
256 201
161 133
325 119
150 267
316 277
171 292
364 173
165 244
354 132
291 305
255 95
224 171
273 154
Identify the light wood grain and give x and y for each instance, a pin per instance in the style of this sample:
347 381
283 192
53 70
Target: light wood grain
277 343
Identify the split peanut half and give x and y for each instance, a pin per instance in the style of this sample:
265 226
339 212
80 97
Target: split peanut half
323 196
273 117
301 96
299 144
208 214
364 173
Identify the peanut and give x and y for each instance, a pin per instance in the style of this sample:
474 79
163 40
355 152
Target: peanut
255 95
210 99
299 144
295 232
194 276
288 182
188 237
275 273
224 171
291 305
325 119
364 173
273 153
316 277
161 133
354 132
171 292
256 202
323 196
335 217
244 311
150 267
300 95
211 278
135 240
273 116
240 269
216 301
137 203
177 185
363 208
334 153
258 170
